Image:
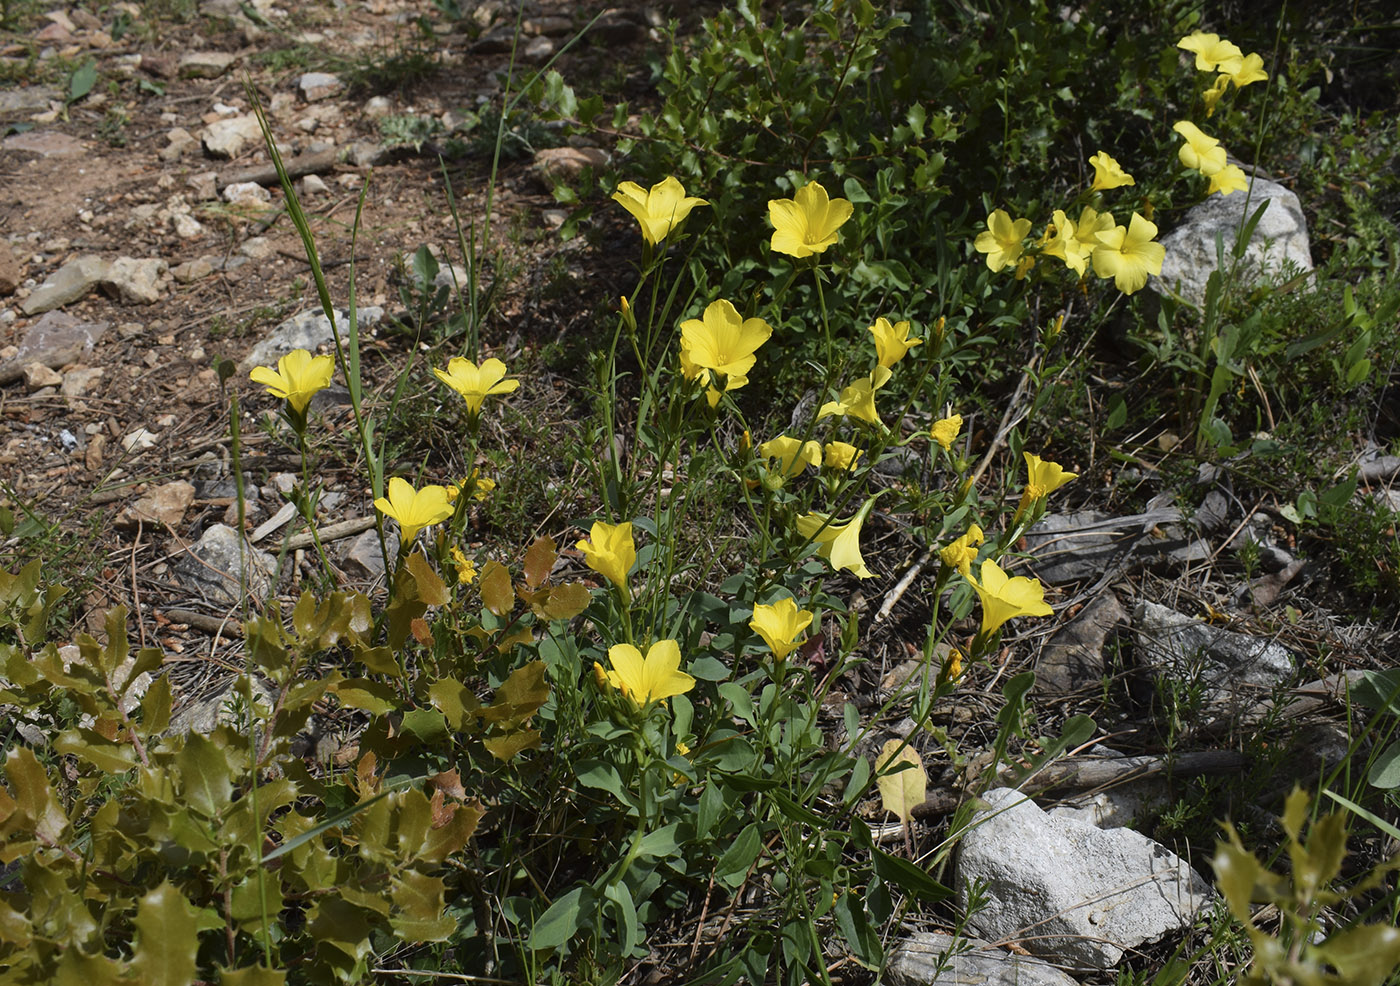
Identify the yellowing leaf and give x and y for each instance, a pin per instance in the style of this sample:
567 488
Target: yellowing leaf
496 593
901 788
430 586
539 561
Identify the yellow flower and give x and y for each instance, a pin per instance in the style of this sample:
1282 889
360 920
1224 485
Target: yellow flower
945 430
1086 231
414 509
476 383
841 455
1228 179
644 680
1004 598
1002 241
961 553
466 568
892 341
1108 173
1250 70
480 485
1201 151
1067 246
298 377
807 223
1042 479
1128 255
658 211
1212 95
793 454
838 543
719 348
1213 52
610 551
780 625
953 666
858 400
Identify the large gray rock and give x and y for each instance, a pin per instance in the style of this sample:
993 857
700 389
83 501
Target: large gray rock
1092 546
227 138
1068 892
1236 670
136 282
1073 658
926 958
308 330
212 566
67 284
1280 240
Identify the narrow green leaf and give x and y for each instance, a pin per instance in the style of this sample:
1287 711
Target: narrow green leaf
563 919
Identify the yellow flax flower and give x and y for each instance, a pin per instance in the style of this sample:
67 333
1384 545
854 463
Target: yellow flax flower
1004 598
1063 243
1042 478
1212 95
1230 178
841 455
298 377
1201 151
610 551
945 430
1250 70
953 665
838 543
1213 52
644 680
961 553
806 224
793 454
414 509
858 399
892 342
480 486
466 568
781 625
476 383
1108 173
1086 231
658 210
1002 240
719 347
1129 254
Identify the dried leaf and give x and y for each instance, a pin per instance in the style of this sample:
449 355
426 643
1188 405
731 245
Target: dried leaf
901 788
496 592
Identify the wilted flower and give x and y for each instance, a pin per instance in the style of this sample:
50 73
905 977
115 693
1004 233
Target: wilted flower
1002 241
610 551
719 347
1212 95
961 553
807 223
644 680
476 383
1004 598
858 399
945 430
298 377
838 543
414 509
793 455
1108 173
658 211
780 624
892 342
1063 243
1129 254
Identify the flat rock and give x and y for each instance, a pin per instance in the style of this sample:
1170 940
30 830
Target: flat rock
1070 893
179 142
192 270
30 99
58 338
136 282
205 64
211 567
227 706
363 556
247 193
564 163
1279 241
45 143
37 376
166 504
67 284
316 86
1087 545
926 958
308 330
257 248
79 380
229 137
1235 668
1073 658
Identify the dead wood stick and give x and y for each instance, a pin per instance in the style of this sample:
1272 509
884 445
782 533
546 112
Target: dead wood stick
331 532
297 167
1086 774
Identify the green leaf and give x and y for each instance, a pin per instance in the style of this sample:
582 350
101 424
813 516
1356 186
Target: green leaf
254 975
908 877
374 697
29 786
507 746
102 753
155 707
1364 955
455 701
733 867
496 592
80 83
860 935
418 902
204 775
563 919
167 938
603 776
519 697
1385 772
626 915
661 842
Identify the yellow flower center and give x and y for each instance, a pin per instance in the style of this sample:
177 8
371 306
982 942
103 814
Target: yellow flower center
1034 492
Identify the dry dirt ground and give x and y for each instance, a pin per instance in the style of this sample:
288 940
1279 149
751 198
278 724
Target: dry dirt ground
102 175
